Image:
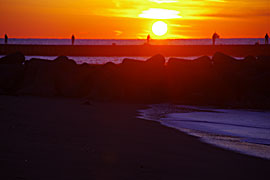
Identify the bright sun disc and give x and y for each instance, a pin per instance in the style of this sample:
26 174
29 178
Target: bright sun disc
159 28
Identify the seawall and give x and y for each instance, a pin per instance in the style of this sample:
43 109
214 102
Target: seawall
135 50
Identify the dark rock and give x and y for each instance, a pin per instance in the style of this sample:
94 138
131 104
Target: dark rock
156 60
224 67
235 79
132 62
250 59
14 58
257 91
66 77
106 83
190 79
88 74
247 67
38 78
203 60
222 59
50 78
72 80
64 61
143 81
220 81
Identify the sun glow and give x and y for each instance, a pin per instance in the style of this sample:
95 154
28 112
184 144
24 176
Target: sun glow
163 1
132 19
159 28
155 13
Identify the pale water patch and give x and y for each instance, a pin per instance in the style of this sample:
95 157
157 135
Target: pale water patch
92 59
102 59
244 131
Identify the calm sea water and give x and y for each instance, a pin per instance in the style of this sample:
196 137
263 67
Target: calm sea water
242 130
134 41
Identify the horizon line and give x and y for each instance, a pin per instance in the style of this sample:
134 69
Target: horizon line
133 39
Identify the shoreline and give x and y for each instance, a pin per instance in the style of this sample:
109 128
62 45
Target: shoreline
64 138
135 50
230 141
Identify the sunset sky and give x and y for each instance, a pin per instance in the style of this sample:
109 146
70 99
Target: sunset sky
132 19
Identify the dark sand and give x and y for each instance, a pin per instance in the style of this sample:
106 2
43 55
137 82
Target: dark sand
56 138
135 50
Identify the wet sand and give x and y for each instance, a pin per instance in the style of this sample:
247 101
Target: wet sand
135 50
59 138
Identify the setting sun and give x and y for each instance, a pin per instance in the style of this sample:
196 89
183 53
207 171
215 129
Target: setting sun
159 28
111 19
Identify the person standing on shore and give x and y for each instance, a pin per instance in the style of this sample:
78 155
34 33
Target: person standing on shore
72 39
148 39
214 37
6 39
266 38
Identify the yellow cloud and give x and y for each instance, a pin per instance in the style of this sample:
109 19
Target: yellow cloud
118 33
155 13
163 1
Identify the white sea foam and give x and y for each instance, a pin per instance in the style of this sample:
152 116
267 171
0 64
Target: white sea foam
244 131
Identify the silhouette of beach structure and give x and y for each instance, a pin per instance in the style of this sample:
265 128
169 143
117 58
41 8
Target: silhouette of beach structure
148 39
214 37
72 39
6 39
266 38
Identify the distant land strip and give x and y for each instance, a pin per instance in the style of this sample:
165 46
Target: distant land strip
135 50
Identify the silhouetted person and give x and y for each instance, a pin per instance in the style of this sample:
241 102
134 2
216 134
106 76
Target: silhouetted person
266 38
214 37
6 39
72 39
148 39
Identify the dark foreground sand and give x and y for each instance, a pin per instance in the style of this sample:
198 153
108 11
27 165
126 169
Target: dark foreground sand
56 138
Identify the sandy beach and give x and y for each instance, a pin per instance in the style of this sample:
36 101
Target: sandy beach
65 138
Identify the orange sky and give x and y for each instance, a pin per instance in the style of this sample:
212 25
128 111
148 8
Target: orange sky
132 19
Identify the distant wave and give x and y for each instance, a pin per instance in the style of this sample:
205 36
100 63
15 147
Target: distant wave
229 124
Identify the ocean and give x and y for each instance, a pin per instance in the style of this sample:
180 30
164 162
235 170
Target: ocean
117 60
242 130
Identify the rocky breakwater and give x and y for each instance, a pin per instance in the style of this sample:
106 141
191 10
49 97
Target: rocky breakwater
220 80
